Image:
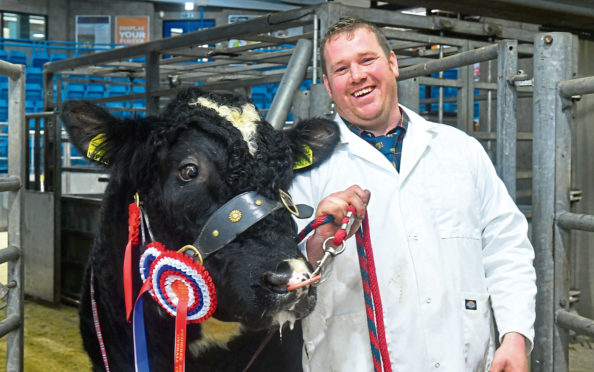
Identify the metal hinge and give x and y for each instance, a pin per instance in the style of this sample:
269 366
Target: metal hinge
520 79
575 195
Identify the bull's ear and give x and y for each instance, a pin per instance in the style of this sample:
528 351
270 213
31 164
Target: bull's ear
312 142
87 125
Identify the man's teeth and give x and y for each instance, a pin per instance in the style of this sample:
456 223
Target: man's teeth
362 92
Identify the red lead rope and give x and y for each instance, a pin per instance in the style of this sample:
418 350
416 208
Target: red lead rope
373 301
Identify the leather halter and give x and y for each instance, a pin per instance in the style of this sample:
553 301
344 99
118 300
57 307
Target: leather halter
239 214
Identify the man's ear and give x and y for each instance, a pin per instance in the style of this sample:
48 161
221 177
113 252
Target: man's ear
312 142
88 127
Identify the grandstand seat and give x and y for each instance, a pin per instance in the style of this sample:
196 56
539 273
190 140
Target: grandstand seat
95 91
57 57
29 106
17 57
38 59
34 75
3 55
117 90
3 87
75 91
3 109
33 92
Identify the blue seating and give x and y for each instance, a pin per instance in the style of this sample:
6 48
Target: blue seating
17 57
75 91
3 55
57 57
34 75
4 88
95 91
117 90
3 109
33 92
38 59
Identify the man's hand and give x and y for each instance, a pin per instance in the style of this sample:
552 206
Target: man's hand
336 205
511 355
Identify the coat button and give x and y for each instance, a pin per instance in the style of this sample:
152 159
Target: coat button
428 300
436 365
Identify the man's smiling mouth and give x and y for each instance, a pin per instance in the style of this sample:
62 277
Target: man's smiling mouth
362 92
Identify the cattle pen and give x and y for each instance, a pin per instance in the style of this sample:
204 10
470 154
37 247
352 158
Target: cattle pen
521 91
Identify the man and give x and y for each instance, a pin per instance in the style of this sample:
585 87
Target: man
450 246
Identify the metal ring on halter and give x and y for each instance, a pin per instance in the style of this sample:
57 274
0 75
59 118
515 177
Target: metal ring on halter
286 199
333 251
193 249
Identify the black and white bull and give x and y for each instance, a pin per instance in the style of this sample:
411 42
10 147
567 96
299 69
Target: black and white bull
202 151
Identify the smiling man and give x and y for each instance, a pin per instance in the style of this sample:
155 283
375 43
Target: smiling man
452 257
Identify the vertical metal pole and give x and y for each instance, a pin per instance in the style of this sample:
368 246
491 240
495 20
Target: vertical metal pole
489 105
314 59
152 83
440 96
296 69
408 93
551 61
465 94
16 167
507 126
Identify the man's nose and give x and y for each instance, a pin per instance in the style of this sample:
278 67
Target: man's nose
357 73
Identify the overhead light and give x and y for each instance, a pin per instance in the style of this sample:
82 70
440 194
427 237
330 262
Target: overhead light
189 5
37 35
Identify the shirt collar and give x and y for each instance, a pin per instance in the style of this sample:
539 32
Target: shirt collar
402 124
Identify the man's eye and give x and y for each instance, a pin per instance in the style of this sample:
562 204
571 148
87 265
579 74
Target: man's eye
339 70
188 172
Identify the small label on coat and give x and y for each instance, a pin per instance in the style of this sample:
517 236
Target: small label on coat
470 304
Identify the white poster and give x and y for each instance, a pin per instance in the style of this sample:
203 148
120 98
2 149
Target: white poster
93 29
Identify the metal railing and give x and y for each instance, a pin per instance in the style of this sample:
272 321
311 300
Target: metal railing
553 222
12 325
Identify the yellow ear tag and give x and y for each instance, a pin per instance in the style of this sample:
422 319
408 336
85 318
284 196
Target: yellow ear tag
306 160
93 153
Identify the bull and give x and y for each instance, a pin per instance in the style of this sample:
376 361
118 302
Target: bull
204 166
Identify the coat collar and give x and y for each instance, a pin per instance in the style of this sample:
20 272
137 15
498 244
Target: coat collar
416 141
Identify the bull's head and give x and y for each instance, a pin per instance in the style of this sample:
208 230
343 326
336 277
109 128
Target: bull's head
200 153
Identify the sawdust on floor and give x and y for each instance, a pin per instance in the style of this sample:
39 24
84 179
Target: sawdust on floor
52 339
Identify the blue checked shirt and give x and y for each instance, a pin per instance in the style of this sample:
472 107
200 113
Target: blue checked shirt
389 144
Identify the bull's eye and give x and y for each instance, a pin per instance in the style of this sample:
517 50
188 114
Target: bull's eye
188 172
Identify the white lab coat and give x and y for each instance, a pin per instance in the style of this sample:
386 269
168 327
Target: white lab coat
443 231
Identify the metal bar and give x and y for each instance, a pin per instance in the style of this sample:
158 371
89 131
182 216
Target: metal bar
507 125
439 82
11 70
296 69
434 23
551 59
10 183
458 60
9 254
576 221
17 128
574 87
314 60
270 22
79 169
11 324
575 322
408 93
152 83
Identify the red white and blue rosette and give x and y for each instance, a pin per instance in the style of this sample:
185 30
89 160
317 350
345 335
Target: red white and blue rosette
174 274
152 251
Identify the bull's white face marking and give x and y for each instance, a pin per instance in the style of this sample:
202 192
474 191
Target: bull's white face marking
244 119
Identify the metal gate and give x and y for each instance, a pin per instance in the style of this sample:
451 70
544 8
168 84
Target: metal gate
555 90
12 325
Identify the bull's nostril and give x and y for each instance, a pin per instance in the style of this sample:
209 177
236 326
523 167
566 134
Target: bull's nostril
276 281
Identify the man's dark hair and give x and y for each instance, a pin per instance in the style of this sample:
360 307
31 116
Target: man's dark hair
348 26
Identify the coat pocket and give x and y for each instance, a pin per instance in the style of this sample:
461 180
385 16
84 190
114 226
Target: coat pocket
478 330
